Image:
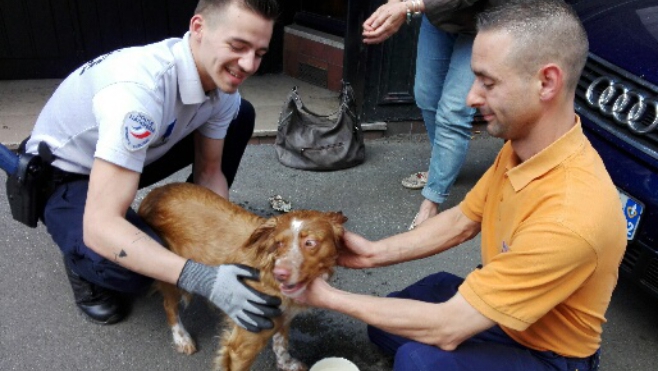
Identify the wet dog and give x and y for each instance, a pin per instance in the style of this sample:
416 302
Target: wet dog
290 250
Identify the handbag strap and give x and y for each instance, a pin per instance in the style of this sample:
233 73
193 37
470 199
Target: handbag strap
346 93
296 99
347 101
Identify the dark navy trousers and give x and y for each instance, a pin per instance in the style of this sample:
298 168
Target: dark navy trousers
490 350
64 210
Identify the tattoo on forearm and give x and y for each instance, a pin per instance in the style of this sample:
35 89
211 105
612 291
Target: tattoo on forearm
140 236
121 254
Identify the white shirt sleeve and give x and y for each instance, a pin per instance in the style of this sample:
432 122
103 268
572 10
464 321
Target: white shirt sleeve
130 118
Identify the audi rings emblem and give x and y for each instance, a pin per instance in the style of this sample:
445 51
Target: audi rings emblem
626 106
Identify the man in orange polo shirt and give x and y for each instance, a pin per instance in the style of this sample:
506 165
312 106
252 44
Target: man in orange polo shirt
553 234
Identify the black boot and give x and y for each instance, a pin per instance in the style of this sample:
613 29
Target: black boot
100 305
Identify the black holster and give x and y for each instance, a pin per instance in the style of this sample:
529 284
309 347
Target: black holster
28 189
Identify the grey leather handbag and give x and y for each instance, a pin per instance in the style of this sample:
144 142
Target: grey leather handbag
308 141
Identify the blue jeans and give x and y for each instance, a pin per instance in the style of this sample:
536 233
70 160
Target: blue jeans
443 79
490 350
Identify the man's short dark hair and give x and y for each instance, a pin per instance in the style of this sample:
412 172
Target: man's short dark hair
268 9
543 31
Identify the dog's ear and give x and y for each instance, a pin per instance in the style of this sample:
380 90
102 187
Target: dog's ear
337 217
262 233
337 220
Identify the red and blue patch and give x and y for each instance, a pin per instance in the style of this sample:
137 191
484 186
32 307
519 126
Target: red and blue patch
138 131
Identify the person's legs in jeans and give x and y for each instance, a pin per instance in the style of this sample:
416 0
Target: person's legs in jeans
433 56
432 63
490 350
453 122
443 79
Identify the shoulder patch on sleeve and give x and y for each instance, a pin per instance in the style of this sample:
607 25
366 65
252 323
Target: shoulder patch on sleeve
137 131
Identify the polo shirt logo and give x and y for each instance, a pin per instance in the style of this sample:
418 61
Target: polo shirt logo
505 247
138 131
170 129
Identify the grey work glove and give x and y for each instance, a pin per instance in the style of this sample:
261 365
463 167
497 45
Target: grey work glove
224 285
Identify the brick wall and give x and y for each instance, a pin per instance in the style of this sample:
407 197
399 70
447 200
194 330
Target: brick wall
313 56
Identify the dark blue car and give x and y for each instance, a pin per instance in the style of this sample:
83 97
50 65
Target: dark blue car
617 100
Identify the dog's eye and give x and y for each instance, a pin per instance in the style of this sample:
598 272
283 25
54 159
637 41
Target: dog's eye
311 243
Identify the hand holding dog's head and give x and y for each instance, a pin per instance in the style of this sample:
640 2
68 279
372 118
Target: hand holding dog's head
303 245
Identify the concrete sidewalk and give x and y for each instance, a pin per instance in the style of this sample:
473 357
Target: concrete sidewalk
21 102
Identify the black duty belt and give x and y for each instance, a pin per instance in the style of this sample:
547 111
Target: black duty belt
60 177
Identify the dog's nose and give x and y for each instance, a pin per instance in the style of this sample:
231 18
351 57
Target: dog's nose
281 274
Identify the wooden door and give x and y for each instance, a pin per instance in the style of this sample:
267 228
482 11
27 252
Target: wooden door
382 75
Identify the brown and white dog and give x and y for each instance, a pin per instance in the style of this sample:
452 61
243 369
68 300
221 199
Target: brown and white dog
290 250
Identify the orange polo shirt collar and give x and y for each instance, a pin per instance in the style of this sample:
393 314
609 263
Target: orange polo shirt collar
547 159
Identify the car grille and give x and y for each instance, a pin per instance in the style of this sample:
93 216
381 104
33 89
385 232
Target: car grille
631 257
651 275
650 271
641 131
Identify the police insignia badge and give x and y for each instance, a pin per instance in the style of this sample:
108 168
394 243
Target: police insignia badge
137 131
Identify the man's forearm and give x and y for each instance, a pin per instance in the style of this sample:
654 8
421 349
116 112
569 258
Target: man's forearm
123 243
111 191
216 182
437 234
445 325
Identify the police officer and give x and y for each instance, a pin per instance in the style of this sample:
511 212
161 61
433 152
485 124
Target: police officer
132 117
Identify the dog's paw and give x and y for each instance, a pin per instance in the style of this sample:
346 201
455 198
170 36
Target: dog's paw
187 348
183 342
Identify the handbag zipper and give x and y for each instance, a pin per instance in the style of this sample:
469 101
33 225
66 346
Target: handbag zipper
328 146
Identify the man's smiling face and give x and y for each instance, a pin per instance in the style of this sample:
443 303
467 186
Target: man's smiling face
506 97
228 48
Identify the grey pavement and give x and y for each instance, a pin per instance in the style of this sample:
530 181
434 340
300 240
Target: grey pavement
41 329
